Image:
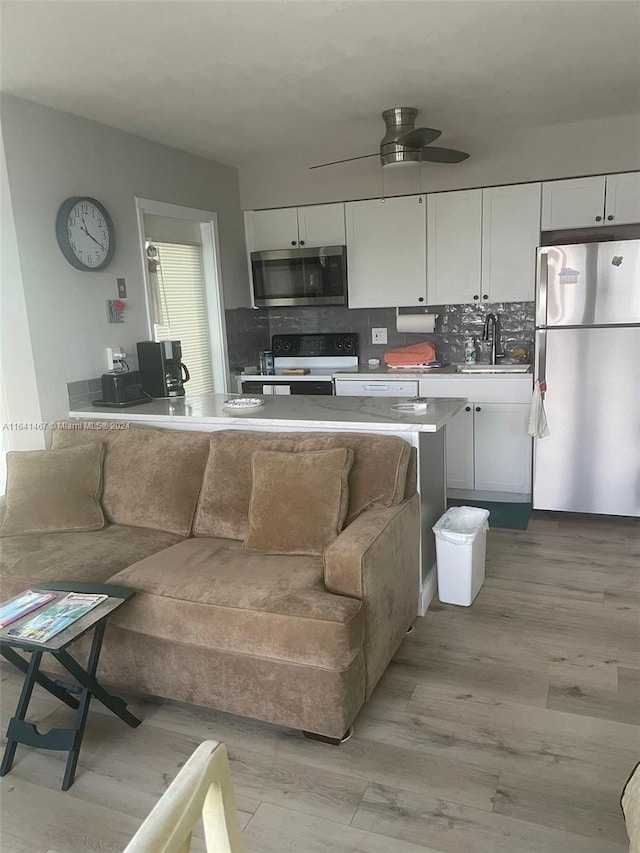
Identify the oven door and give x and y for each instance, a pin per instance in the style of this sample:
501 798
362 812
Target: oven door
282 386
315 276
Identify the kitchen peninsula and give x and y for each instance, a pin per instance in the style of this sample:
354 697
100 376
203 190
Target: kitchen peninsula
425 431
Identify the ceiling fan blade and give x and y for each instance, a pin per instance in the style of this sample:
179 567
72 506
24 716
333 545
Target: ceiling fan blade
348 160
419 137
442 155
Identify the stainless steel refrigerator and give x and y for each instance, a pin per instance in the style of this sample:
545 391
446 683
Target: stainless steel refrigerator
588 352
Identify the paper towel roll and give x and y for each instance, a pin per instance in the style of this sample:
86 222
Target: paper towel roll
416 323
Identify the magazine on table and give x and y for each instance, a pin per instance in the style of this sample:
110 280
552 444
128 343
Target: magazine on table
56 617
22 604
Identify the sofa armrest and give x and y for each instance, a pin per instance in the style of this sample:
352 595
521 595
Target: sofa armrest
376 559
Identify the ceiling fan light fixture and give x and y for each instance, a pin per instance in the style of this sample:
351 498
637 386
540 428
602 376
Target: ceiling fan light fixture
404 143
399 158
398 121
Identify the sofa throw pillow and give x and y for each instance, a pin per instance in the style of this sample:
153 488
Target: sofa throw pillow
298 501
223 506
54 490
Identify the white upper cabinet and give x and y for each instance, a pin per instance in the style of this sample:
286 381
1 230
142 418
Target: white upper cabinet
623 199
271 229
585 202
573 204
510 237
481 244
321 225
386 252
454 246
290 227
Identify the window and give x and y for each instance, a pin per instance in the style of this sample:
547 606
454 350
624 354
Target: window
180 310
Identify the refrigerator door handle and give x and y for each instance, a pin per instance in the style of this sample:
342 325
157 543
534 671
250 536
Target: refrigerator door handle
541 287
542 360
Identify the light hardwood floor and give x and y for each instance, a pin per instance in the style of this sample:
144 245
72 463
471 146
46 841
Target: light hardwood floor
507 727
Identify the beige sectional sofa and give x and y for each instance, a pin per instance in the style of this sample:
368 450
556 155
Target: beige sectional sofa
297 640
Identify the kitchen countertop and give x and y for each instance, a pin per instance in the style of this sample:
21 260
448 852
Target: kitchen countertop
328 412
382 372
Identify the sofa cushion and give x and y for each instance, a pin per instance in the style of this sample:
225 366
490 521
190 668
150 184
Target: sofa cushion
223 507
379 471
92 557
208 592
311 505
152 477
53 490
377 476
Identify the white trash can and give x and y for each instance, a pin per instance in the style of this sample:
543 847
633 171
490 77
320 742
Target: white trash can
461 544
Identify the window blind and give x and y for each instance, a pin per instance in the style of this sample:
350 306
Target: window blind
184 310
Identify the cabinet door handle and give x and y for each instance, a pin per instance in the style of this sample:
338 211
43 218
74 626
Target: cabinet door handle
485 295
302 242
420 298
293 242
598 219
478 409
609 217
467 408
475 296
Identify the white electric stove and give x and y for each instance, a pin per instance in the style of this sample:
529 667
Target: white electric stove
321 354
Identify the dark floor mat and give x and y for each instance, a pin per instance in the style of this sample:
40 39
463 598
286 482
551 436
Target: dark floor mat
513 516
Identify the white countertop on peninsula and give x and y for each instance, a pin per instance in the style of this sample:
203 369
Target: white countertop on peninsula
348 413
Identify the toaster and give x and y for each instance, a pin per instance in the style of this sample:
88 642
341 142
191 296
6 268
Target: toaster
120 387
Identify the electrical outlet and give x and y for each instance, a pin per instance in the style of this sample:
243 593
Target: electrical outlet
378 336
114 356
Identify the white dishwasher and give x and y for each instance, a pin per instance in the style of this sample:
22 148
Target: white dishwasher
376 388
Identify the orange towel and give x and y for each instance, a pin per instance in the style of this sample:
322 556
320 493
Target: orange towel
421 353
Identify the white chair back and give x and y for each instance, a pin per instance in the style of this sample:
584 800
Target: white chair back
203 788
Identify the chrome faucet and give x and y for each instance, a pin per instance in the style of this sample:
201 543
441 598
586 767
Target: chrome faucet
492 321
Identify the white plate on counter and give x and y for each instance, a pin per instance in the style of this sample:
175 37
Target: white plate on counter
241 403
416 404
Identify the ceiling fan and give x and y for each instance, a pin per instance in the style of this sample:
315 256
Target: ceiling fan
405 143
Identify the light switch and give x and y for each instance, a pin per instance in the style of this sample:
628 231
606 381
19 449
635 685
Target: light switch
379 336
122 288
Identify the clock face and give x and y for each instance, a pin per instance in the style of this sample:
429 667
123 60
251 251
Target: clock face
85 233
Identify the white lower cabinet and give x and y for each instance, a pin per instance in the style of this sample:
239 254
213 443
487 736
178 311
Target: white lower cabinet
502 447
460 450
488 448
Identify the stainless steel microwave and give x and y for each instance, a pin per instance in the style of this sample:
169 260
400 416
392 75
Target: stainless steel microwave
309 276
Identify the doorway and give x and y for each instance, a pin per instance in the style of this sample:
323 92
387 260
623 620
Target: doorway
181 261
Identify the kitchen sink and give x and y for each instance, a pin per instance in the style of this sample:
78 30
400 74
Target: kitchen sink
493 368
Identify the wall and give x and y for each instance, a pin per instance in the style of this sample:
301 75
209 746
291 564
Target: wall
19 403
53 155
598 146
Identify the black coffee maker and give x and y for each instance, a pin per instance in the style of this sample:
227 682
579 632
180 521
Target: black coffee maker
162 373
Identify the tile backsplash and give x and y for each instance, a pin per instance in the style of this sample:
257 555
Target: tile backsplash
249 330
84 392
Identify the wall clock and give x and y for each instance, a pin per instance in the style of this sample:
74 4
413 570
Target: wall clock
85 233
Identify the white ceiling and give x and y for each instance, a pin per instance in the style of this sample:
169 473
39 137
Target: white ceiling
253 80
